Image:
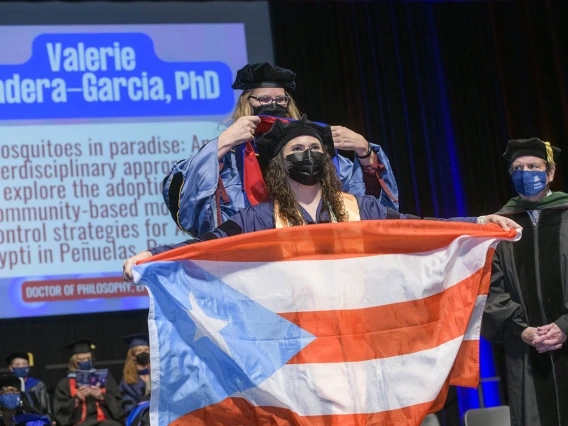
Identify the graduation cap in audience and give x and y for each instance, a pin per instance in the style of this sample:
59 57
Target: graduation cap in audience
533 147
272 142
22 355
8 379
80 346
254 76
137 339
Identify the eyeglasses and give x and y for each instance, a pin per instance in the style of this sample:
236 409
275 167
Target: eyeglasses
265 100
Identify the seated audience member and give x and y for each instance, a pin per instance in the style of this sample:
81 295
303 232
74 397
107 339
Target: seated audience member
86 396
135 383
303 188
19 364
15 409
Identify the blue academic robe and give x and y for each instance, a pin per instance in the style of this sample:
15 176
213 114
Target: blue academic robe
28 419
261 217
140 414
131 394
189 189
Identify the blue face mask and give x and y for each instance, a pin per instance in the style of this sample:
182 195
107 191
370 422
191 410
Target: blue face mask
10 401
21 372
85 365
529 183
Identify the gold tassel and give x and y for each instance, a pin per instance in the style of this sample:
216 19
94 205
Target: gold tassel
31 359
549 153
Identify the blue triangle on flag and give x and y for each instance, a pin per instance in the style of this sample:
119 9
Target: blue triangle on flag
200 365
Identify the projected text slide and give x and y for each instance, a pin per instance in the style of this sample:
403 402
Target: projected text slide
91 122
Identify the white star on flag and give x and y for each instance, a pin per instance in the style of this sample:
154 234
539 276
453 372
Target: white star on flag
206 326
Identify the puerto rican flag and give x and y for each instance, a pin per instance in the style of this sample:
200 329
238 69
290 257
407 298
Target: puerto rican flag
362 323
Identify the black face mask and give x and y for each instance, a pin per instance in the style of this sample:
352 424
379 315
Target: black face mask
270 109
306 167
143 358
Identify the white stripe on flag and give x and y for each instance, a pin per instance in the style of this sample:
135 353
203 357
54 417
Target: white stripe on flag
314 285
358 387
155 371
474 327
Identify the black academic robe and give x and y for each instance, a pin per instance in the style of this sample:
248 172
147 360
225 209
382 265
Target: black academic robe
68 412
529 287
131 394
38 398
140 415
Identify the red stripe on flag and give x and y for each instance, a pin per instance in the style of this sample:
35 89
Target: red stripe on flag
486 274
238 412
440 400
390 330
334 240
465 371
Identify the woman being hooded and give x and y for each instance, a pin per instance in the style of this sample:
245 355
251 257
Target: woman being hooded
303 188
224 176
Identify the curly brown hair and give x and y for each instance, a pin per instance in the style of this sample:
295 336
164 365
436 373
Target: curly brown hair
276 178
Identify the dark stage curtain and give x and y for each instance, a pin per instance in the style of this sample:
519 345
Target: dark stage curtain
441 86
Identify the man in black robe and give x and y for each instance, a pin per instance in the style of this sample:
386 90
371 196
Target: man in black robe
527 305
78 403
19 364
